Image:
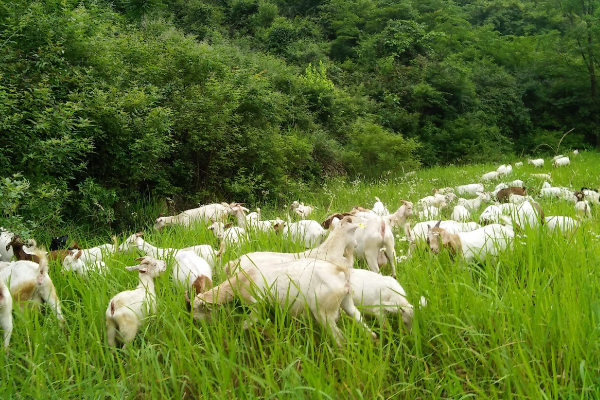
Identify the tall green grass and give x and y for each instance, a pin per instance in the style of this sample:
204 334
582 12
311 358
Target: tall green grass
526 326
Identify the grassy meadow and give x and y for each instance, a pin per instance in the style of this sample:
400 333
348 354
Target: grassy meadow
526 326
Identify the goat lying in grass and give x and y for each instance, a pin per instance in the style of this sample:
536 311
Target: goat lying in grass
201 214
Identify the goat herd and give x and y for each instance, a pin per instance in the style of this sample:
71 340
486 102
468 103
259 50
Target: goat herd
321 279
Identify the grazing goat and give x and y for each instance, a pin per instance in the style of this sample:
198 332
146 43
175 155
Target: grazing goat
204 213
470 189
302 210
318 285
518 164
376 294
563 224
557 157
419 231
231 235
128 310
460 214
253 222
504 169
582 209
546 177
192 271
491 215
504 194
490 176
375 243
307 230
30 281
561 162
591 194
539 162
477 244
475 204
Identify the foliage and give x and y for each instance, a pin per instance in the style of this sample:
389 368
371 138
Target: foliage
206 100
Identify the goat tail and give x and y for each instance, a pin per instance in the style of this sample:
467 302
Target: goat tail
42 261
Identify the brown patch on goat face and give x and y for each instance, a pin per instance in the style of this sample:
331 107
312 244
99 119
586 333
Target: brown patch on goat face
229 225
445 240
59 255
579 195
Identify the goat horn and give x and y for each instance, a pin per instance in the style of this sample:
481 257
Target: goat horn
438 224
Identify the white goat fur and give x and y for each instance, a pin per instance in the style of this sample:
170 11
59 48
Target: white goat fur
460 214
6 305
470 189
318 285
539 162
204 213
128 310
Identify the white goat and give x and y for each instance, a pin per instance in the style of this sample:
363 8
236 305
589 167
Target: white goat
539 162
419 231
561 162
475 204
477 244
563 224
29 281
302 210
591 195
379 208
128 310
528 213
582 209
470 189
575 152
307 230
491 215
546 177
204 213
518 164
429 212
232 235
318 285
460 214
376 294
252 223
436 200
6 305
375 243
192 271
490 176
557 157
504 169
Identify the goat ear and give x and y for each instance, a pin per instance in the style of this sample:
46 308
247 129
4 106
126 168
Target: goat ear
212 220
428 227
79 253
229 225
142 260
143 270
133 268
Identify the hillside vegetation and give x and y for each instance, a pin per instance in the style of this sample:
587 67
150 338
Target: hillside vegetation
105 103
523 327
